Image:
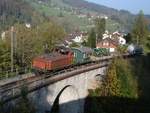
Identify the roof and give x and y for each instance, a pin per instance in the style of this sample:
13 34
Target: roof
86 50
63 48
114 42
52 56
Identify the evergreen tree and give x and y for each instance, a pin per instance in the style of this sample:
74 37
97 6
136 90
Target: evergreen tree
140 29
60 14
4 58
24 105
111 84
148 42
128 38
92 39
100 24
127 79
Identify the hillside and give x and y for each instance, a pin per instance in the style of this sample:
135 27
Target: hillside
91 6
77 13
124 18
71 14
16 11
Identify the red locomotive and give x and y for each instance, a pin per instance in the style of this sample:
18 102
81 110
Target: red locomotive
58 59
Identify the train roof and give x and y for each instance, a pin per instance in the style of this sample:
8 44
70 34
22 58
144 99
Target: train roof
51 56
86 50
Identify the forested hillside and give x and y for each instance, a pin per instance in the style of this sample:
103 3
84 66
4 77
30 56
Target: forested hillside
34 11
16 11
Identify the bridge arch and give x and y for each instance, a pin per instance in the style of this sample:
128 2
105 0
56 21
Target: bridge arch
67 101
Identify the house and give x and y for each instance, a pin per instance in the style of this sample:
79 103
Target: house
109 44
75 37
119 37
28 25
106 35
122 41
116 36
78 38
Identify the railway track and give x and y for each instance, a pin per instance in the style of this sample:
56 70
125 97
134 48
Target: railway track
32 76
13 84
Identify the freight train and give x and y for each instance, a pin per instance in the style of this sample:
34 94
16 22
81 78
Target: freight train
62 57
56 60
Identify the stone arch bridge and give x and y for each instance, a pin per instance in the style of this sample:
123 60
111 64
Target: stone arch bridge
63 93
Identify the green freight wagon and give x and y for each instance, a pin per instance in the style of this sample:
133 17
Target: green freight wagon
101 52
82 54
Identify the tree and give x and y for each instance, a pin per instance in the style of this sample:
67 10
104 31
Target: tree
24 105
30 42
4 57
111 84
50 35
148 42
140 29
105 98
60 14
128 38
119 81
92 39
100 24
17 11
126 76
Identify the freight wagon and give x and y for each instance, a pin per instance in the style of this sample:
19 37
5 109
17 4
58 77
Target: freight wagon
98 52
135 49
82 54
52 61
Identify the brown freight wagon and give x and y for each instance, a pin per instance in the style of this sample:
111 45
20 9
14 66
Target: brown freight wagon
52 61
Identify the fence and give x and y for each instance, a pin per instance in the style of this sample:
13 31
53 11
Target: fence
16 72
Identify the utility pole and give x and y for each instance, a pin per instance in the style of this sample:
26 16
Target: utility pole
96 38
137 40
12 49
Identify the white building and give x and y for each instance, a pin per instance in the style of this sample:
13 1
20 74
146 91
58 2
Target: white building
116 35
28 25
78 39
122 41
106 35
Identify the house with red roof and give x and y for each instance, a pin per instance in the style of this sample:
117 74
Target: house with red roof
109 44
